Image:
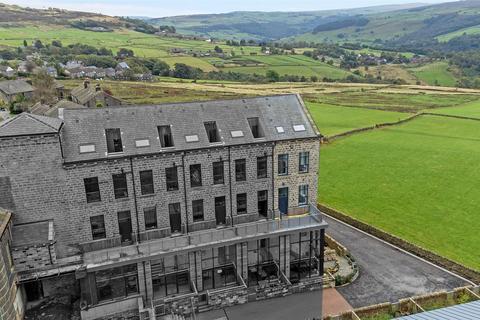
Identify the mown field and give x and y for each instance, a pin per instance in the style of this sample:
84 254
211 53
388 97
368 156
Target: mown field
437 73
418 181
394 101
470 109
332 119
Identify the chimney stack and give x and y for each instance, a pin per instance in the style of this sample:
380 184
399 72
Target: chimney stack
98 88
86 84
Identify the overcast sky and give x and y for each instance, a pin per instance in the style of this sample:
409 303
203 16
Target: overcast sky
162 8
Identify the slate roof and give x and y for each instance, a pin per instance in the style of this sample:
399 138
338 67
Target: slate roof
62 104
67 104
15 86
26 124
88 126
39 108
466 311
82 94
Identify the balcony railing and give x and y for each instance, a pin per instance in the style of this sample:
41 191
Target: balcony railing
144 250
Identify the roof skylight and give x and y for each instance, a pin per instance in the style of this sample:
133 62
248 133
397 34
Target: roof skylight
191 138
237 134
142 143
87 148
299 127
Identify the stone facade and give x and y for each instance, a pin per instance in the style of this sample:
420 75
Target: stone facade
294 178
11 300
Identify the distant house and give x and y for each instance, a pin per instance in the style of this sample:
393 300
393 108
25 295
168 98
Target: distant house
23 66
60 90
56 110
91 96
73 64
75 73
122 66
177 50
147 76
11 89
110 73
51 71
7 71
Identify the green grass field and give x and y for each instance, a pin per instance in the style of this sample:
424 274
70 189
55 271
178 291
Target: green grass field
292 65
435 74
418 181
451 35
470 109
405 102
332 119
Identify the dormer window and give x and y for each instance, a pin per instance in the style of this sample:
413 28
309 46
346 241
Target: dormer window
212 131
114 140
257 130
166 138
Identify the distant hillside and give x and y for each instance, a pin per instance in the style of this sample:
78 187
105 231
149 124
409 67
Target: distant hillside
266 25
12 16
413 24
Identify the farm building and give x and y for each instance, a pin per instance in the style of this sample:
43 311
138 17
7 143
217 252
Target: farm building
11 89
93 96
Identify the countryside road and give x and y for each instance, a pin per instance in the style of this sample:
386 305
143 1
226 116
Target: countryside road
386 273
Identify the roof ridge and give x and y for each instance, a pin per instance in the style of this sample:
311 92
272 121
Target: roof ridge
189 102
34 117
9 121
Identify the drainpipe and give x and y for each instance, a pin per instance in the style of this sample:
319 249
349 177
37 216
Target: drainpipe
230 184
273 182
145 281
135 199
185 190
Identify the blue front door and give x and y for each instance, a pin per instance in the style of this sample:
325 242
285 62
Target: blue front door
283 200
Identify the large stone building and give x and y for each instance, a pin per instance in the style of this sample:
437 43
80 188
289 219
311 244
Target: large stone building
11 301
165 208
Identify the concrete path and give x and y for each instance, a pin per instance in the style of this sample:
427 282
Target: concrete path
301 306
334 303
386 272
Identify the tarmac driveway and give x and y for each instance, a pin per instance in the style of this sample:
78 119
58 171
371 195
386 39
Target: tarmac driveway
386 273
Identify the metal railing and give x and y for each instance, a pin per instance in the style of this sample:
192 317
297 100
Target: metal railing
207 237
